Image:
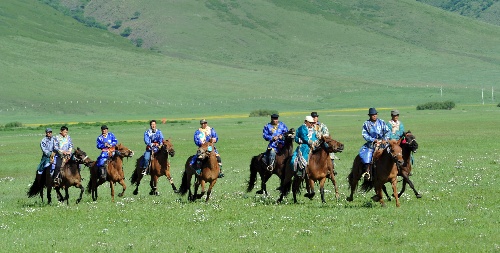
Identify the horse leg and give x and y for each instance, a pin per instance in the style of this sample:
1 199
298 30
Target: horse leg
202 190
124 186
210 189
394 189
60 197
322 189
310 193
378 194
82 189
296 187
138 182
49 194
263 187
384 189
112 186
192 197
66 197
153 183
332 177
406 179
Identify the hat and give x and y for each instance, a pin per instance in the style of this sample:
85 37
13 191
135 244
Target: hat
309 119
372 111
48 129
203 121
394 112
314 114
274 116
104 127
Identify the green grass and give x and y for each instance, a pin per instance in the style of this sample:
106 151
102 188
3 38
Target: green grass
456 169
294 56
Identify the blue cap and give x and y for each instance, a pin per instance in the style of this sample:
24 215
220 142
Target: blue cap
48 129
274 116
372 111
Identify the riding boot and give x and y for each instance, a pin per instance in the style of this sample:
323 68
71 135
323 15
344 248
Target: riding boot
102 171
221 174
56 176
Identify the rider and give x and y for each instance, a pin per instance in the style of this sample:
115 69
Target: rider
396 127
322 130
375 132
202 135
106 143
63 148
153 138
273 132
307 140
47 145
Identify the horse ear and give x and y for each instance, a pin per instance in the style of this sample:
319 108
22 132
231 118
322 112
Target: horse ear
78 148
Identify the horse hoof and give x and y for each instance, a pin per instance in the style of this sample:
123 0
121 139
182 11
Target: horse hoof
418 196
348 199
120 194
136 192
376 198
260 192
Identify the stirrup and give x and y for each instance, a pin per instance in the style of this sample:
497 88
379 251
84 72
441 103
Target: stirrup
366 175
144 172
221 175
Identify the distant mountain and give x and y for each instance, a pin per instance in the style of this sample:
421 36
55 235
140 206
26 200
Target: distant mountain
485 10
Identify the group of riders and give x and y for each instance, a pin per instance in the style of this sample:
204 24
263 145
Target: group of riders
375 131
56 150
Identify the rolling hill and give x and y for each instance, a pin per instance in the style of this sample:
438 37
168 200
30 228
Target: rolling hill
231 57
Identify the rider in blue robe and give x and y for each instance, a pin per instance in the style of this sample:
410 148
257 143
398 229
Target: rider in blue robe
374 131
104 142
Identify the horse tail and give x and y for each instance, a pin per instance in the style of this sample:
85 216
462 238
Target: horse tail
37 186
253 173
367 185
134 177
183 189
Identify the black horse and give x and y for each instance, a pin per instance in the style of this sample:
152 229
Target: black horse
257 164
70 176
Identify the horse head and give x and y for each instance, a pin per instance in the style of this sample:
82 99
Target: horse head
123 151
395 151
332 145
205 150
290 135
81 157
411 141
168 147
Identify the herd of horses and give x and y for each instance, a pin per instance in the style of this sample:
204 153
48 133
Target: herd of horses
390 162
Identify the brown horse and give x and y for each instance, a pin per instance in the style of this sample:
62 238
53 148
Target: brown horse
70 176
209 172
318 169
409 145
160 166
257 164
386 163
114 173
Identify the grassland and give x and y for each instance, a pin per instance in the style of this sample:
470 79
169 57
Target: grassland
334 57
456 170
289 56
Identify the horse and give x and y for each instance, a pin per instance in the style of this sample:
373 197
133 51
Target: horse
386 163
114 172
160 166
318 169
70 176
257 164
409 145
209 172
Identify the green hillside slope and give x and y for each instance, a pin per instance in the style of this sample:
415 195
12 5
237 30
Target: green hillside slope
215 57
